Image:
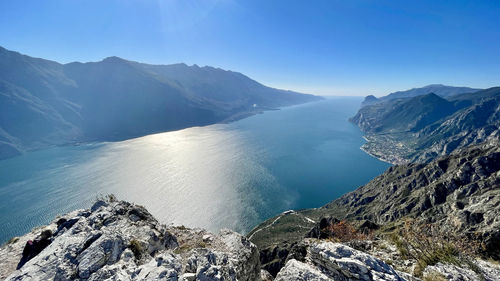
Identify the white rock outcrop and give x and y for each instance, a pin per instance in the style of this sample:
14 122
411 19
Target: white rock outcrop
116 240
335 261
483 271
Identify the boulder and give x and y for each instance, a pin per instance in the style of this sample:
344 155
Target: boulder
116 240
334 261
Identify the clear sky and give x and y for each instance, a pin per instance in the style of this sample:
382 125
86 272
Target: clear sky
325 47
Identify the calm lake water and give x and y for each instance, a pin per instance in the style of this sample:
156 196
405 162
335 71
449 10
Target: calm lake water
225 175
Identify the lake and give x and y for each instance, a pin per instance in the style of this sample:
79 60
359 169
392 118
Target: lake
219 176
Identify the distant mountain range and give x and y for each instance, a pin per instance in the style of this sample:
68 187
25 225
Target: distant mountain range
423 127
43 102
438 89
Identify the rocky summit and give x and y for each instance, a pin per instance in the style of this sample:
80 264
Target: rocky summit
117 240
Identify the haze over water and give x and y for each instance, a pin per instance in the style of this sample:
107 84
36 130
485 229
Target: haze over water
220 176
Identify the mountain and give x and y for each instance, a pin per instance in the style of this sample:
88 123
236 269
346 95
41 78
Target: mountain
403 115
451 201
47 103
438 89
370 99
424 127
436 210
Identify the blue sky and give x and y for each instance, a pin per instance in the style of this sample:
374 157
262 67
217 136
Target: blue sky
325 47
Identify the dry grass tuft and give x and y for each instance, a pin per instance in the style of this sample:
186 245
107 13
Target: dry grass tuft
425 244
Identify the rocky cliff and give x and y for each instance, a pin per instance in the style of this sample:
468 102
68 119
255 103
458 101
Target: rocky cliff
452 201
116 240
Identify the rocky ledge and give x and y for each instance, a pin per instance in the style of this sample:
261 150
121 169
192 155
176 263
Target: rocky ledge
324 260
117 240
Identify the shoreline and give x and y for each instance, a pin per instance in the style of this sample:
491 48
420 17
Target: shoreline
89 141
98 144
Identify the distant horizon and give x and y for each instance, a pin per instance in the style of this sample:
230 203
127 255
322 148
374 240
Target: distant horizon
318 92
233 70
329 47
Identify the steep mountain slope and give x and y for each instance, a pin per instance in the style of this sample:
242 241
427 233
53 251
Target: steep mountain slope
44 103
438 89
424 127
403 115
458 194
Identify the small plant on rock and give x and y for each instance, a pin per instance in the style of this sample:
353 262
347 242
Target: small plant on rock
136 248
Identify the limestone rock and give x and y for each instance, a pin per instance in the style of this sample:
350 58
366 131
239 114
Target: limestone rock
483 271
116 240
335 261
298 271
265 276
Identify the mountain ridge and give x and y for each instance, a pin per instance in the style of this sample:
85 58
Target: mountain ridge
439 89
46 103
403 130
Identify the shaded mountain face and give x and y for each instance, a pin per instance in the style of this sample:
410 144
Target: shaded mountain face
403 115
424 127
43 102
371 99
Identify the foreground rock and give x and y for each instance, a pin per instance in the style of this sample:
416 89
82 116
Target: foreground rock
116 240
483 271
335 261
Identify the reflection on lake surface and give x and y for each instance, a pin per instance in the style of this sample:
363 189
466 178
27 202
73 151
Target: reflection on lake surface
225 175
